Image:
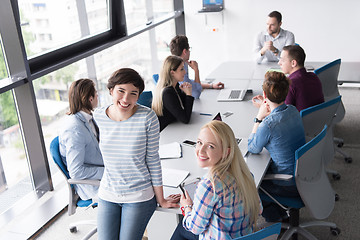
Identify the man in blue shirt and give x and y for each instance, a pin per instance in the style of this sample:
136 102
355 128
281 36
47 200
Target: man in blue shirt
179 46
278 127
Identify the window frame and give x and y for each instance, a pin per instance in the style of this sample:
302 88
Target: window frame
23 70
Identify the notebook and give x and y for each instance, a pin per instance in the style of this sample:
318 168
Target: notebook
231 95
212 6
170 150
234 94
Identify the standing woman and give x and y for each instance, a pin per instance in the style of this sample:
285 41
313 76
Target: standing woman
226 202
78 140
172 101
129 141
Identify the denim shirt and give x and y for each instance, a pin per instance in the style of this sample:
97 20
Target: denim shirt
281 133
196 87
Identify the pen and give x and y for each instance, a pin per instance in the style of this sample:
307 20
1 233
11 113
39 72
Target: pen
206 114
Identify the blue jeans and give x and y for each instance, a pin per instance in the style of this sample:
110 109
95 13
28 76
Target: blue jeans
135 218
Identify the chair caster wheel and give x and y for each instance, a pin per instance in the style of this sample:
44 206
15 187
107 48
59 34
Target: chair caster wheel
335 231
348 160
73 230
337 197
340 144
336 176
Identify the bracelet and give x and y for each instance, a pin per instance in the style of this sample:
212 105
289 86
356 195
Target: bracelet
188 206
183 209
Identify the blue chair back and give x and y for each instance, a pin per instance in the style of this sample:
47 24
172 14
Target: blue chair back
145 98
270 232
155 78
328 75
314 118
311 178
55 153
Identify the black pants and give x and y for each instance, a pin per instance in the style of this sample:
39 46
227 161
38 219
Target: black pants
272 212
181 234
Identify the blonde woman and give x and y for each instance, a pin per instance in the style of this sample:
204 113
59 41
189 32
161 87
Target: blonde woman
226 203
172 102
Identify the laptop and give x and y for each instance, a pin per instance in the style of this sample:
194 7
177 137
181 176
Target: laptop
212 6
218 117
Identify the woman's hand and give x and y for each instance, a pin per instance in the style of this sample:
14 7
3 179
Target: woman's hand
170 201
184 201
218 85
187 88
173 198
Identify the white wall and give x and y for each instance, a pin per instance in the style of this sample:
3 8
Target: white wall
326 29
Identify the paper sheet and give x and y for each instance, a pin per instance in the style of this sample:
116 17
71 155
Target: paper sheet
173 177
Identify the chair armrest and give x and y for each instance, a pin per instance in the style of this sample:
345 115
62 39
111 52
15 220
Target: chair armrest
284 177
94 182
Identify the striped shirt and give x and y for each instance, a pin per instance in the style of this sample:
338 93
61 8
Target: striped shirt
130 153
219 213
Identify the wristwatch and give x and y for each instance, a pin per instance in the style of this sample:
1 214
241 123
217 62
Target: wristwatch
256 120
276 50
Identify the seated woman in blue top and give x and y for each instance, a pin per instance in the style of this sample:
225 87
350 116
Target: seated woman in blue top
226 202
278 127
78 140
171 101
131 185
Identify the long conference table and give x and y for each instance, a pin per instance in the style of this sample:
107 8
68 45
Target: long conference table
349 71
164 221
234 74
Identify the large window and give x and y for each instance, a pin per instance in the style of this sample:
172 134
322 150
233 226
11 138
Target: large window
60 42
49 24
3 71
14 171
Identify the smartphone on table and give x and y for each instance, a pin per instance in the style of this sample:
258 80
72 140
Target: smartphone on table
189 143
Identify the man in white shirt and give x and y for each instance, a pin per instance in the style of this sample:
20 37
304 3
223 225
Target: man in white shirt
269 43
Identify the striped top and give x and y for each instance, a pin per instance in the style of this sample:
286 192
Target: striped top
218 213
130 152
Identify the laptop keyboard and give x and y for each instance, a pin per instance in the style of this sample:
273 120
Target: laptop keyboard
235 94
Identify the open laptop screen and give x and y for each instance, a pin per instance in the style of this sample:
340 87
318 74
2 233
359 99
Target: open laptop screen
218 117
212 2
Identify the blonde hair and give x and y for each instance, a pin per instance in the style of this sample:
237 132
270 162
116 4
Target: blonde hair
171 63
233 163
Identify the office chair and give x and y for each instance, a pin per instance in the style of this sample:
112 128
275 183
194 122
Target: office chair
269 233
314 119
145 98
328 75
316 193
74 199
155 78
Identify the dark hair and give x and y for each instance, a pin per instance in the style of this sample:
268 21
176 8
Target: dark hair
79 94
276 15
125 76
297 53
276 86
178 44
